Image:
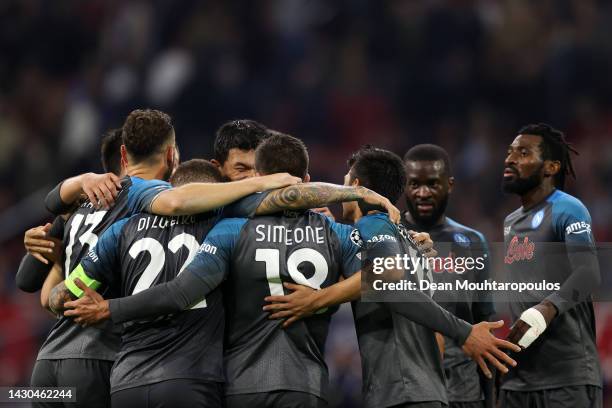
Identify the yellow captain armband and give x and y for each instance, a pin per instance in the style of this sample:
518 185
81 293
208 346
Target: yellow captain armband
79 272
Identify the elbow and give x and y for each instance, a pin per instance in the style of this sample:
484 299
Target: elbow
169 206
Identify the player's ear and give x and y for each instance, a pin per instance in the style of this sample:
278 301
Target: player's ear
307 178
451 184
551 167
215 162
355 182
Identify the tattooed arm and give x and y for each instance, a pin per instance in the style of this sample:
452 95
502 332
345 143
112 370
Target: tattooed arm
58 296
312 195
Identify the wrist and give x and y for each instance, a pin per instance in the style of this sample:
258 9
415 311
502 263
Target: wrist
106 315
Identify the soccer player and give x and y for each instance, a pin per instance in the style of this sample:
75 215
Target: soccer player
429 185
559 366
400 359
256 256
43 243
234 148
82 357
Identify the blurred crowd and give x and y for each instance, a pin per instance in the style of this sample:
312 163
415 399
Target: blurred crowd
465 74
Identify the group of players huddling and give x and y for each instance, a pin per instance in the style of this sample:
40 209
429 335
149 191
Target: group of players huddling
212 283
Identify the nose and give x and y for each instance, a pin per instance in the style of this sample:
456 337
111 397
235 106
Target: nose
423 192
510 160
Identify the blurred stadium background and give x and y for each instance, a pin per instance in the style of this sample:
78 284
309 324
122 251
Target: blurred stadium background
465 74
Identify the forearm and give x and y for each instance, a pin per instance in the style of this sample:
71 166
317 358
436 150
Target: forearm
421 309
68 192
194 198
58 296
31 274
309 195
54 278
584 279
344 291
172 297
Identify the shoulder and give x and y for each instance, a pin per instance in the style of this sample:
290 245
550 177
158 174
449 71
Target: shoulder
229 226
376 227
460 231
563 203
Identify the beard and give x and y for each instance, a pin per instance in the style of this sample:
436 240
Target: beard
520 185
427 220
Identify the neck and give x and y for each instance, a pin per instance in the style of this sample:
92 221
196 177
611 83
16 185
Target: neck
536 195
422 226
145 171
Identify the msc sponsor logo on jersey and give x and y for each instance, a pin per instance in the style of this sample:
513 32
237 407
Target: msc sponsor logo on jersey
206 247
356 238
507 230
580 227
382 237
537 219
461 239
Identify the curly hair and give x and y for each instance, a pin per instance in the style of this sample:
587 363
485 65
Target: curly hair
145 132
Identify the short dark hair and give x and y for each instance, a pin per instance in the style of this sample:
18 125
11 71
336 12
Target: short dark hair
110 151
379 170
145 132
280 153
429 152
243 134
196 171
553 147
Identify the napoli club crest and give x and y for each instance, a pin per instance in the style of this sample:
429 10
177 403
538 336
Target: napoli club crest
537 219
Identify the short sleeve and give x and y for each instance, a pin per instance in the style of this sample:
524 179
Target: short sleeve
245 207
350 244
214 255
572 221
142 193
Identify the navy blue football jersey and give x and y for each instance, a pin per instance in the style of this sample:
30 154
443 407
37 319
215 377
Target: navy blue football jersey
257 256
81 233
146 250
400 359
566 353
454 242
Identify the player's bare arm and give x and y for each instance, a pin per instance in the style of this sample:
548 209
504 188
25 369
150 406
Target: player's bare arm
194 198
312 195
100 189
55 277
58 296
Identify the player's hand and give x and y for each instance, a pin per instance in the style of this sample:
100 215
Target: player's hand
532 323
298 304
424 243
101 189
325 211
90 309
374 199
41 246
278 180
481 345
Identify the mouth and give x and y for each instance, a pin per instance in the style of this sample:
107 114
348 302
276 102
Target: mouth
508 173
425 207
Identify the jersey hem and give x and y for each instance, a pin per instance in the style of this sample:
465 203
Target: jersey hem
257 390
72 357
179 377
552 386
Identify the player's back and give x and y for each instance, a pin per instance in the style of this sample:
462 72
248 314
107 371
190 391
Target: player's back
81 233
305 248
400 359
152 250
455 242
